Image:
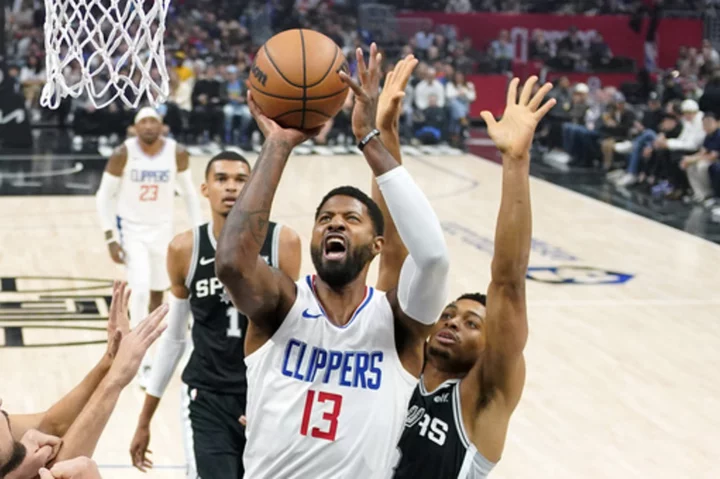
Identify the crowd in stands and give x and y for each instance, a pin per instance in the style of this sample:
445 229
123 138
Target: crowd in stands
668 145
210 46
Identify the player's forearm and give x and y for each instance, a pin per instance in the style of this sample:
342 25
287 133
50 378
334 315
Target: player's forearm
247 224
84 434
394 251
148 411
59 418
513 232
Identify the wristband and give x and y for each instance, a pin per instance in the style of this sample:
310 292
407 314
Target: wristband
375 132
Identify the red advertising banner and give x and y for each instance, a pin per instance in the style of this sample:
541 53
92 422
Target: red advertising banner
483 28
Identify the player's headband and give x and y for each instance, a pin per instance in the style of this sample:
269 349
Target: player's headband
147 112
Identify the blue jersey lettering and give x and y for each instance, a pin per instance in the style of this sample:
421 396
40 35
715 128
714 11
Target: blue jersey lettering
351 369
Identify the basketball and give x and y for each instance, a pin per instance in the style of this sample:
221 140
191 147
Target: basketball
294 78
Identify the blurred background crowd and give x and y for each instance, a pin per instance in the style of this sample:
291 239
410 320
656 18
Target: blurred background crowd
658 131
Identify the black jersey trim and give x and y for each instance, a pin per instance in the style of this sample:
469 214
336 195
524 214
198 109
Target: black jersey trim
425 392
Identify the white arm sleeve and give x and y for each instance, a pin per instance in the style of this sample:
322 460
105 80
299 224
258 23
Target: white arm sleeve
423 285
187 190
171 347
105 200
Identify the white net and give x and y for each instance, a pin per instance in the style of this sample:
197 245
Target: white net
109 49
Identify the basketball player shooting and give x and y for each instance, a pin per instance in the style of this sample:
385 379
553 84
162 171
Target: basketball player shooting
331 362
135 205
214 380
459 413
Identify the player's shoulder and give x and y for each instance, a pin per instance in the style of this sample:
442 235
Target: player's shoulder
289 238
182 244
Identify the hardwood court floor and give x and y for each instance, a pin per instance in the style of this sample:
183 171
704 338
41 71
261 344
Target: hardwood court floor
624 347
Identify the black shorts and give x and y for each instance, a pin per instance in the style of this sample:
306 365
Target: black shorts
214 439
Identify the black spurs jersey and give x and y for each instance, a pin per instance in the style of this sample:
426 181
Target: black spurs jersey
434 444
217 360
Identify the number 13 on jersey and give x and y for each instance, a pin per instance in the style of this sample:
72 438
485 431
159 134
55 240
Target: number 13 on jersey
330 418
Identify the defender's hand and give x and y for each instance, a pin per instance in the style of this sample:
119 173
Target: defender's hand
513 134
366 93
393 93
139 449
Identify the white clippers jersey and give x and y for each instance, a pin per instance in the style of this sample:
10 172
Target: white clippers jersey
147 190
326 401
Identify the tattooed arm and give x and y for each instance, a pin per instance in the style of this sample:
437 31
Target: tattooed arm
263 294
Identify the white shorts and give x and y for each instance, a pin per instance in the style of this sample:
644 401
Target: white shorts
145 254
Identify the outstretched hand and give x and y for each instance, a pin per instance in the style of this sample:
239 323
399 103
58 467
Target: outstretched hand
118 325
270 128
366 92
393 93
513 134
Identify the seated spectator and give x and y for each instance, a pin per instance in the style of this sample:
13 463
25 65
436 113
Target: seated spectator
32 79
80 417
460 93
615 126
502 51
600 53
206 118
539 48
236 108
698 165
571 52
656 121
431 123
428 87
710 100
458 6
575 132
669 152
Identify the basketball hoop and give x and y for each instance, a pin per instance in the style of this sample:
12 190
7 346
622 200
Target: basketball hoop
108 49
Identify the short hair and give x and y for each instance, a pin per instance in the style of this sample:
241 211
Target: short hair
477 297
226 155
373 209
710 115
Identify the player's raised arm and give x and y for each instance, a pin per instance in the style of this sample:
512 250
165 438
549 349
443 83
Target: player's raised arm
263 294
500 373
171 345
185 186
423 284
106 199
388 115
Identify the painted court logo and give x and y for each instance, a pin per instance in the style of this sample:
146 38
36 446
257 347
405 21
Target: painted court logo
39 312
576 275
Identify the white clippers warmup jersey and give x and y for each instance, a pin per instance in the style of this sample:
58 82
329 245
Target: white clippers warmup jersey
326 401
147 190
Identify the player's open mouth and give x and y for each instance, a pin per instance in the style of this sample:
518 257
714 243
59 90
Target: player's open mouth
446 337
229 201
335 246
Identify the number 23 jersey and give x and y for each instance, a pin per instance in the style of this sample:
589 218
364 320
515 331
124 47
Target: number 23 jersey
326 401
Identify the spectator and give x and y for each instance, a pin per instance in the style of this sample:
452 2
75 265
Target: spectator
458 6
236 108
206 118
669 151
429 86
431 122
570 52
600 53
574 129
710 100
460 93
616 123
539 48
698 165
32 79
502 52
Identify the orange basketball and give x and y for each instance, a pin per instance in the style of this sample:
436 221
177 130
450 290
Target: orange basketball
294 78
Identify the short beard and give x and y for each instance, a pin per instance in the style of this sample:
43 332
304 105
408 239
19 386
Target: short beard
338 275
16 458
